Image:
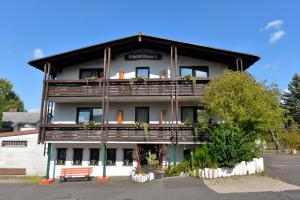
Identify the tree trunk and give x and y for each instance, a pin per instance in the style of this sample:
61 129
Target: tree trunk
275 141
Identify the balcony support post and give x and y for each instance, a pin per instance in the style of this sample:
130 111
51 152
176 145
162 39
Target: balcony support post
239 64
42 106
48 161
104 160
176 95
174 153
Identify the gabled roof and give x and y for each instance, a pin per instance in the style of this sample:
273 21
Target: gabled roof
13 118
149 42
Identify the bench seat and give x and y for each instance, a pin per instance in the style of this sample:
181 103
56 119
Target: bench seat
75 172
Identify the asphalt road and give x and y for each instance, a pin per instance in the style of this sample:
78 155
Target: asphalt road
285 167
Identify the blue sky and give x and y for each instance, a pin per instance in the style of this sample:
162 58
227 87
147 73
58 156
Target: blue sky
30 28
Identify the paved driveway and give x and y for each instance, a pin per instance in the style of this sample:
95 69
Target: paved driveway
123 189
285 167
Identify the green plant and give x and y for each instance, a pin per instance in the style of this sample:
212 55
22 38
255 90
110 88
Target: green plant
92 78
136 80
175 170
228 146
90 125
153 162
126 162
94 162
77 162
110 163
145 127
290 140
188 122
139 171
60 162
290 99
239 100
188 78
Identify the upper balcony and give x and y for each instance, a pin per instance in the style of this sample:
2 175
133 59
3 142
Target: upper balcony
120 132
126 88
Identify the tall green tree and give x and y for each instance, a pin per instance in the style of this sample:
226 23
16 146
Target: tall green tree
238 100
8 98
291 99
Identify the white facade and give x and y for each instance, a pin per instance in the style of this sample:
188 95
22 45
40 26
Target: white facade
31 157
119 169
128 66
65 111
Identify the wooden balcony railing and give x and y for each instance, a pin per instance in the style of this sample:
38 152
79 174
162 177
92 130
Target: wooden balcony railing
118 87
119 132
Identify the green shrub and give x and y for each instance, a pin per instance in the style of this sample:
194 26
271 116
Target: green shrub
228 146
175 170
290 140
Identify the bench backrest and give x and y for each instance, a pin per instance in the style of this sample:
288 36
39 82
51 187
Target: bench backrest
77 171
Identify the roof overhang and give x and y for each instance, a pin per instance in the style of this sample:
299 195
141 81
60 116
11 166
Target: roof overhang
148 42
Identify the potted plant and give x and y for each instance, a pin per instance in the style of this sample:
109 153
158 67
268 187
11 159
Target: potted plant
126 162
88 126
154 166
189 78
136 80
60 162
77 162
94 162
110 163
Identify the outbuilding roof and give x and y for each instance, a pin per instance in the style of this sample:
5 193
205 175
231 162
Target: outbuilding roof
12 118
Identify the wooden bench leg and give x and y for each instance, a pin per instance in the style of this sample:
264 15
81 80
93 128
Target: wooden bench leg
62 179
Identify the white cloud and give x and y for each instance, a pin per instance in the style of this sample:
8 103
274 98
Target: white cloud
286 90
34 110
271 66
274 37
273 24
38 53
278 32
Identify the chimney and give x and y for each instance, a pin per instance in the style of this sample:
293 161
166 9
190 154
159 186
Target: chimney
13 110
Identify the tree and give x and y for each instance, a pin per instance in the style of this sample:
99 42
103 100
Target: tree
8 98
236 99
291 99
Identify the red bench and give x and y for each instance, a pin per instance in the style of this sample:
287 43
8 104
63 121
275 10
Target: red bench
85 172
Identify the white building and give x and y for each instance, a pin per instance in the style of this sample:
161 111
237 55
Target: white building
21 155
102 83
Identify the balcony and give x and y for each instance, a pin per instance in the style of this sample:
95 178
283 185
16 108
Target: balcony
119 132
126 88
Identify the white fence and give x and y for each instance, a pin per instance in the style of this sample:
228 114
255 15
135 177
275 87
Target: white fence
243 168
142 178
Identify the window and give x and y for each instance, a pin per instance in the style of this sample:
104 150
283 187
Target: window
187 114
94 156
97 114
61 156
190 113
142 114
89 114
142 72
128 157
15 144
88 73
187 154
111 157
77 156
195 71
